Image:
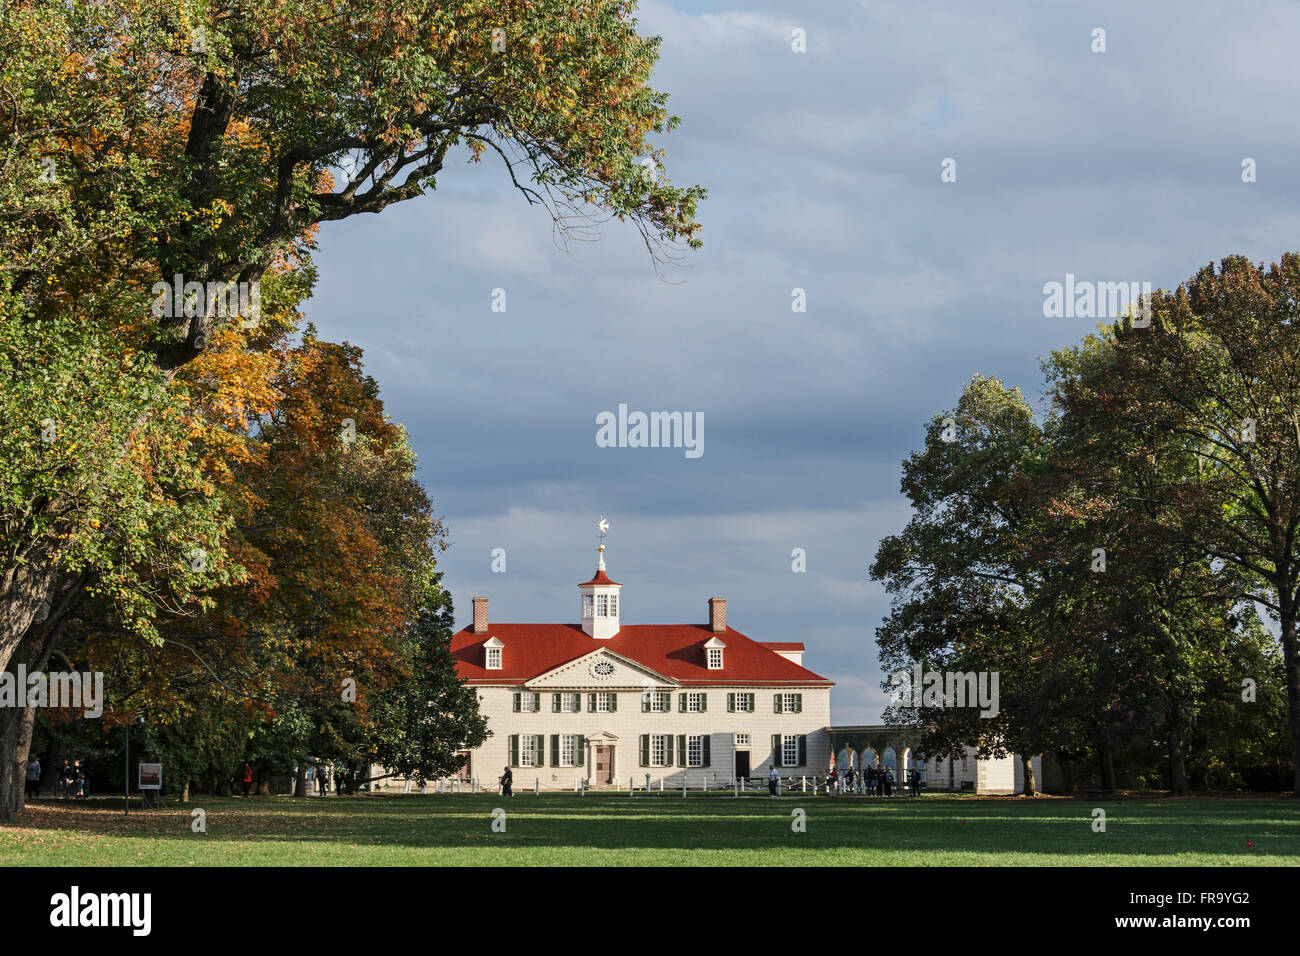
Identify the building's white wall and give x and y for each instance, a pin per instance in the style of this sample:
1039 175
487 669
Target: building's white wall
628 723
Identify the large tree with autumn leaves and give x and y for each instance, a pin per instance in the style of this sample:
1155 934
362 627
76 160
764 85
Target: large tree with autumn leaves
143 141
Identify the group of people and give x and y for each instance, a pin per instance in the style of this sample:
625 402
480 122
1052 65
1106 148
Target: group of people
880 782
73 779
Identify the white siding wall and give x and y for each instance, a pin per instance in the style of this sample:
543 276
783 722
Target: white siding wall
628 723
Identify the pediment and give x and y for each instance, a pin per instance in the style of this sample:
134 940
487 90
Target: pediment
602 669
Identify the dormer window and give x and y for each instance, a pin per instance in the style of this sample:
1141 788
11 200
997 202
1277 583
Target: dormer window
492 647
713 654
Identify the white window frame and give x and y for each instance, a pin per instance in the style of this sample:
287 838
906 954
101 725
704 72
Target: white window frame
613 605
527 750
744 702
527 702
742 740
588 605
715 658
788 703
602 605
494 658
789 750
695 750
568 703
658 750
568 750
695 702
604 699
661 702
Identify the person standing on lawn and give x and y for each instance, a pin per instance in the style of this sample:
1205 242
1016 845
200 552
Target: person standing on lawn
246 777
33 777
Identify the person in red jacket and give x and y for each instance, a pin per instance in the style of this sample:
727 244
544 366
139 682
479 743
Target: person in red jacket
248 778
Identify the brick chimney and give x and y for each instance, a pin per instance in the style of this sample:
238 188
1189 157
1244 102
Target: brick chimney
480 616
718 615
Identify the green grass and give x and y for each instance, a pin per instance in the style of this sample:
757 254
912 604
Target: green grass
662 829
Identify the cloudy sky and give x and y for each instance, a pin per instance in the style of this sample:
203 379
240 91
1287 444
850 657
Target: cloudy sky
823 170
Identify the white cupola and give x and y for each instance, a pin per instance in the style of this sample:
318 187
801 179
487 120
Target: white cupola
600 601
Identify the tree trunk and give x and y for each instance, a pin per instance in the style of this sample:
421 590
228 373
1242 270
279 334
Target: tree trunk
300 781
1107 756
17 723
1288 622
1027 765
1177 759
185 791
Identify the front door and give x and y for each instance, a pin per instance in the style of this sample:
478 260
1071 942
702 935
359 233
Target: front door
603 759
742 763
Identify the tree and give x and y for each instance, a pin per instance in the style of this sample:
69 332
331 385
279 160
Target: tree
199 140
425 722
1218 372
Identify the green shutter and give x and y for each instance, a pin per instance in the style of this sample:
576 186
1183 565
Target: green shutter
681 703
645 750
776 703
749 698
555 750
581 751
555 703
704 702
704 742
514 748
798 703
731 703
668 750
803 750
681 750
577 703
537 703
516 698
591 703
541 750
646 697
776 751
613 702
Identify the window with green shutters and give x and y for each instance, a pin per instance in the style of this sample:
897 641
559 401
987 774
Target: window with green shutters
693 702
527 702
566 703
786 703
740 703
656 750
656 702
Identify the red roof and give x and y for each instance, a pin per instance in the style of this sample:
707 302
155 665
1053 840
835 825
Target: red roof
600 578
674 650
783 645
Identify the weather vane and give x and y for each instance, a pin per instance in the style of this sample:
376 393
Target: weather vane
602 526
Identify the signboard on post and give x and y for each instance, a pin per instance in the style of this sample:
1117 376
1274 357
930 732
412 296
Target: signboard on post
150 776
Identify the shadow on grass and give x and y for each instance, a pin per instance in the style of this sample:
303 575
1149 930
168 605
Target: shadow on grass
1051 828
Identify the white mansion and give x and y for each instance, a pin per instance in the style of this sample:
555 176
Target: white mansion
609 704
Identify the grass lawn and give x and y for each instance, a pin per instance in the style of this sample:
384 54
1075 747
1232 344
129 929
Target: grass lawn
662 829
